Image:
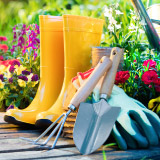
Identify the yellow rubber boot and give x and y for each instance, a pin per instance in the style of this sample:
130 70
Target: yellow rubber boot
51 71
80 35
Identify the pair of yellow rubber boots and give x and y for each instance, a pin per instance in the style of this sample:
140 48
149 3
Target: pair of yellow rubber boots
65 49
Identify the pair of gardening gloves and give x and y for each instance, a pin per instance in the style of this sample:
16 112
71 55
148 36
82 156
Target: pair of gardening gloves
136 126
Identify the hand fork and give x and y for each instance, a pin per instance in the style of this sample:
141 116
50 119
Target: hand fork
83 92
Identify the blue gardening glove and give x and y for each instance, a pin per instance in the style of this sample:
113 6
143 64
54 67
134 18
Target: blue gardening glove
136 126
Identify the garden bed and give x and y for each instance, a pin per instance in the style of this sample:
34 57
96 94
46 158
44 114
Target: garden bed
12 147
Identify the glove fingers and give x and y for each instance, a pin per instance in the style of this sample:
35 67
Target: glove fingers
154 120
131 143
119 139
144 123
130 127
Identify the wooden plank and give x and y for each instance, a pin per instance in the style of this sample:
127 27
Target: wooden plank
59 154
17 144
2 116
12 147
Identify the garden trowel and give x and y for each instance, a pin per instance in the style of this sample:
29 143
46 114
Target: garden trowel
94 122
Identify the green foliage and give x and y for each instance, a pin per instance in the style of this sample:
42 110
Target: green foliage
27 11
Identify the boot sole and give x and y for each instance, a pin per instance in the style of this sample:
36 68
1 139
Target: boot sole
12 120
43 123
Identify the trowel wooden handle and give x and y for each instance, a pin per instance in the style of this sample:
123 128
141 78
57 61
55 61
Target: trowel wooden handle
87 87
109 77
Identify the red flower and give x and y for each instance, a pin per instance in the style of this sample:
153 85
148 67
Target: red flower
157 82
152 64
2 38
157 88
135 61
10 62
121 77
149 77
3 47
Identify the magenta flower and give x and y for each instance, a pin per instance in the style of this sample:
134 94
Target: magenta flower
14 28
23 78
10 107
10 80
15 62
25 72
35 77
1 58
152 64
11 69
1 77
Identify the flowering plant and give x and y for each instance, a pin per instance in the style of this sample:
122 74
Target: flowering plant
140 76
25 46
117 34
19 76
17 85
142 81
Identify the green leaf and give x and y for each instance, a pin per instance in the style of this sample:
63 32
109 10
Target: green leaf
17 103
14 95
8 101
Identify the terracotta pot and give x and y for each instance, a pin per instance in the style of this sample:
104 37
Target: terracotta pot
99 52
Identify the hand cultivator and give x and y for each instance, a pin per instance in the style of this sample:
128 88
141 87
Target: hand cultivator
80 96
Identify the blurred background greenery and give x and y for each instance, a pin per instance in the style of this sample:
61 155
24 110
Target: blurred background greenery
13 12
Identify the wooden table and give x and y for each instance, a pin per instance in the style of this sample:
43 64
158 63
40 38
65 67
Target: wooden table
12 147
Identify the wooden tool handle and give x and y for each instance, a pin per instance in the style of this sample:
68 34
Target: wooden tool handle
88 86
109 77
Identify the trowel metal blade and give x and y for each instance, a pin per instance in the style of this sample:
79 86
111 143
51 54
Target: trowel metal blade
93 125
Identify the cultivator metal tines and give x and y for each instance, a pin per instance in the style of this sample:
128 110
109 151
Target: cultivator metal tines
59 126
80 96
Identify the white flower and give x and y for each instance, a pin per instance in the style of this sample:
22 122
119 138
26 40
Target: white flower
133 27
29 77
117 5
141 31
111 28
134 17
118 12
118 26
107 12
112 21
103 36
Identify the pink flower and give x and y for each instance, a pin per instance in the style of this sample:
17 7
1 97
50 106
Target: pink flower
3 47
2 38
152 64
150 86
149 77
121 77
1 58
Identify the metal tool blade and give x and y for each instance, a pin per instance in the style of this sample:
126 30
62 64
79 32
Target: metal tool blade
93 125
